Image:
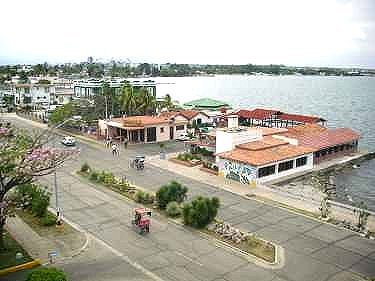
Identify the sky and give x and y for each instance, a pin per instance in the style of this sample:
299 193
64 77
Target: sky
337 33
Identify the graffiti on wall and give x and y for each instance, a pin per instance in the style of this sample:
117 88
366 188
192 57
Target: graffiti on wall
239 172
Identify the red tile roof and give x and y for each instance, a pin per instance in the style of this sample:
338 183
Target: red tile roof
265 156
188 114
318 137
168 114
258 113
327 138
265 143
300 118
140 121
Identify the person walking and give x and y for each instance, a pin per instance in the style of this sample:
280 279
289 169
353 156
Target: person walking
126 142
114 148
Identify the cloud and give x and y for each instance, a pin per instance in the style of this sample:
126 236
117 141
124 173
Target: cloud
293 32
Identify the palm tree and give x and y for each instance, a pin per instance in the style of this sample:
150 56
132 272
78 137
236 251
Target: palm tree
167 102
146 101
128 102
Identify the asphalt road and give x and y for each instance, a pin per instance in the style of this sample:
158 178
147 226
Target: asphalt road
314 251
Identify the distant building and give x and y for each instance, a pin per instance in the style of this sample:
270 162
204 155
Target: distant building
274 118
143 129
36 96
199 117
91 87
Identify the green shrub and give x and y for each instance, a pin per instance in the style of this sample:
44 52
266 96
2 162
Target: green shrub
201 211
144 197
173 209
94 176
85 168
108 178
48 220
39 201
47 274
173 191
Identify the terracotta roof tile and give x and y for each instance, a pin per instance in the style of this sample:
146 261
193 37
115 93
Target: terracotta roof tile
266 156
140 121
258 113
300 118
265 143
325 138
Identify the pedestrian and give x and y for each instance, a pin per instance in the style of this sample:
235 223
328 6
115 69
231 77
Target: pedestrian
126 142
117 150
114 148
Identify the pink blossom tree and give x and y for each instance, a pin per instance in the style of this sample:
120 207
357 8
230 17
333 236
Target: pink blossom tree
24 158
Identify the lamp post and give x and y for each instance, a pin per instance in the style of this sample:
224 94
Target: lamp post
58 211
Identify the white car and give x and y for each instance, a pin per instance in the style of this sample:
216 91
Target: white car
68 141
183 137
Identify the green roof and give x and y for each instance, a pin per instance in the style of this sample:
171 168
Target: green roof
206 103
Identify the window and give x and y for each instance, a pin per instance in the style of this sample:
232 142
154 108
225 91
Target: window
180 127
301 161
284 166
161 130
266 171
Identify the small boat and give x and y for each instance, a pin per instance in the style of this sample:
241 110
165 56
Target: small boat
350 199
355 166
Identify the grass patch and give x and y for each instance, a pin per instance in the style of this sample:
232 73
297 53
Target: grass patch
36 224
8 257
254 246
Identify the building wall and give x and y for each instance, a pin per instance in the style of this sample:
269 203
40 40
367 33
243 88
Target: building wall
226 141
162 136
308 166
237 171
203 117
247 174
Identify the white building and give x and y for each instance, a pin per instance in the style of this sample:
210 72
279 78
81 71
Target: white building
91 87
143 129
35 95
254 154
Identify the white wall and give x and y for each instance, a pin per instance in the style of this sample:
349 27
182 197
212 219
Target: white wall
245 170
226 141
203 117
308 166
161 136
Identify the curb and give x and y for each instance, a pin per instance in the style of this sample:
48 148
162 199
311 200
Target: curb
27 265
279 251
79 229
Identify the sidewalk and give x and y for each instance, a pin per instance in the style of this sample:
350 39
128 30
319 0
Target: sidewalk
261 191
67 244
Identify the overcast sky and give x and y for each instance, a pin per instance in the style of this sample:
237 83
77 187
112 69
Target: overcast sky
314 33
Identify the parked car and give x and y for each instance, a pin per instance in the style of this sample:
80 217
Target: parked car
68 141
183 137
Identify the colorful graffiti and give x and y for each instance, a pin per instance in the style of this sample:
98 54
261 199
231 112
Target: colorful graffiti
237 171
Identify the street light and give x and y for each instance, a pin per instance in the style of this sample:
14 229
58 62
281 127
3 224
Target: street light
58 211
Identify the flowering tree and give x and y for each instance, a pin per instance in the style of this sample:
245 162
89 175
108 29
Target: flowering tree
23 158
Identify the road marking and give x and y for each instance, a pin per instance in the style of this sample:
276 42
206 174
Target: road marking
127 259
189 259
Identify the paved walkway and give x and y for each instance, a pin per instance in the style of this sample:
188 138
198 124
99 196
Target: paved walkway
68 243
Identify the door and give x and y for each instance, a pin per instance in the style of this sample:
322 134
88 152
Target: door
171 133
151 134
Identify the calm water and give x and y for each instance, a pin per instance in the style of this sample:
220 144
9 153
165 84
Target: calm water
343 101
